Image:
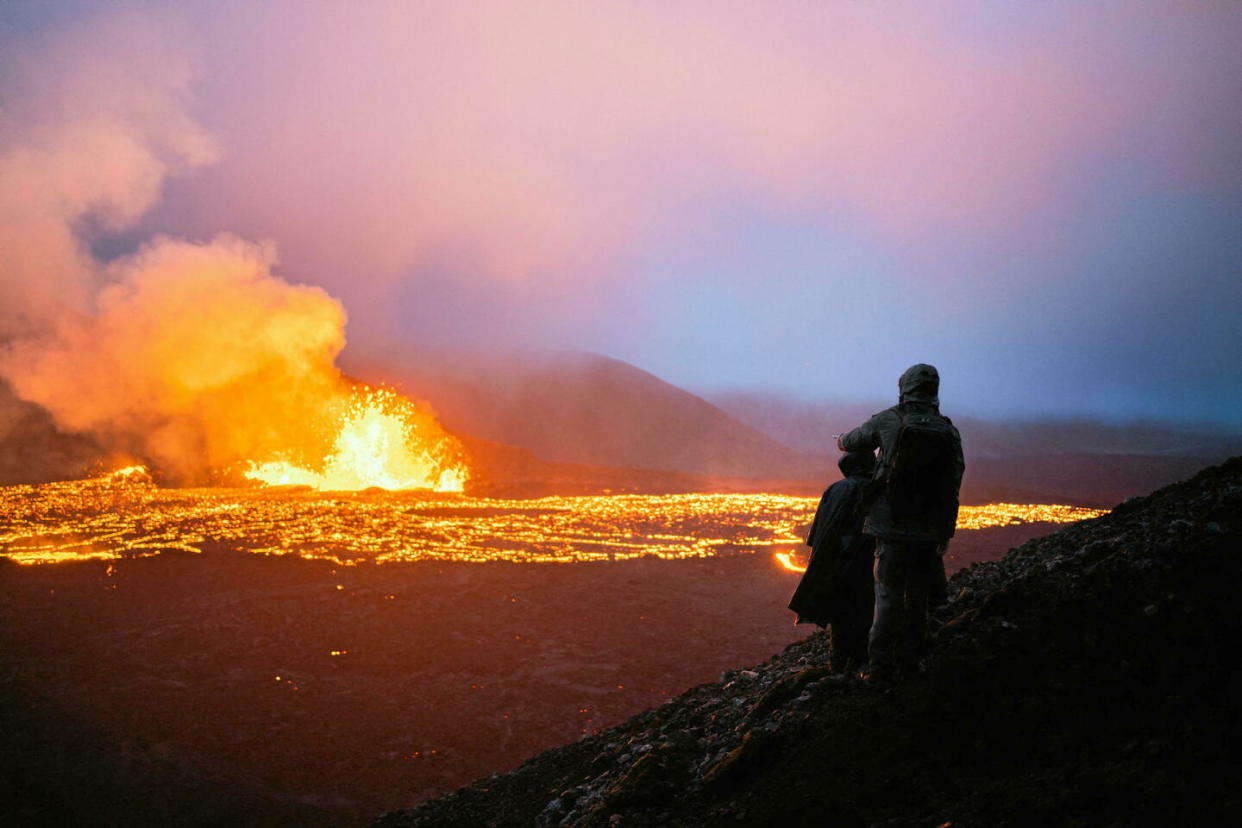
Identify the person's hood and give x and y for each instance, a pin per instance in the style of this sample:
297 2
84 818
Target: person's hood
854 463
920 383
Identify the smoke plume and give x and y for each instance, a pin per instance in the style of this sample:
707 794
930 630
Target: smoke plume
94 119
191 356
195 356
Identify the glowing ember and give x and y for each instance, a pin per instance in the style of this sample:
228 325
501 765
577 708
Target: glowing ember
383 441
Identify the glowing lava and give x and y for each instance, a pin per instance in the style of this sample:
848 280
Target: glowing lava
125 515
383 441
990 515
786 560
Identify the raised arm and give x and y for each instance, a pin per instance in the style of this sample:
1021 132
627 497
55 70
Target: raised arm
864 438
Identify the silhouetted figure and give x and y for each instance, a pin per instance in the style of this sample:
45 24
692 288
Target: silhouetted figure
836 589
912 515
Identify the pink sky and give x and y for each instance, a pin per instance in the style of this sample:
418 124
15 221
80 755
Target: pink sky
525 170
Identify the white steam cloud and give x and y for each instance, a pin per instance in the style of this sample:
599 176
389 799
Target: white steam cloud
191 356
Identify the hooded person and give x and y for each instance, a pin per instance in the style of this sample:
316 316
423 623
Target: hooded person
836 589
912 514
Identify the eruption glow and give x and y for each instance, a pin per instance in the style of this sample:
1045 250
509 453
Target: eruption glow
193 356
198 359
383 441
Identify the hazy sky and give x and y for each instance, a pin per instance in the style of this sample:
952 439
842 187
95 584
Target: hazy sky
1042 199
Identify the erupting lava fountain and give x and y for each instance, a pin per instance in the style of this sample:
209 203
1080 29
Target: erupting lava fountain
383 440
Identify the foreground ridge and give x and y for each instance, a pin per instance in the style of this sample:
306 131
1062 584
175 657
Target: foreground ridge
1084 679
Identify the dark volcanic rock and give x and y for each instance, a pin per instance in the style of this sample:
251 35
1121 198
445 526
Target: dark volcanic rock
1086 679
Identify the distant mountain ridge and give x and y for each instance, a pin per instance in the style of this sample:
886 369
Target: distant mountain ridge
587 408
573 423
808 426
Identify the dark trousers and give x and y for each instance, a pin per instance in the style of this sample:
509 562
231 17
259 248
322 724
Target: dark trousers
906 575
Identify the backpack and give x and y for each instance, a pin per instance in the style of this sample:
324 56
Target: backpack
918 479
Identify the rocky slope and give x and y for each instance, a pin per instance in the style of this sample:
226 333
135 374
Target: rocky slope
1086 679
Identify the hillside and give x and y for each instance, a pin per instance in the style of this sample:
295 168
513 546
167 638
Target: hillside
584 424
1082 680
592 412
587 409
499 470
33 449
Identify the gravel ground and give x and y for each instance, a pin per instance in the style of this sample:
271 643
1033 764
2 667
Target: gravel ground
1089 678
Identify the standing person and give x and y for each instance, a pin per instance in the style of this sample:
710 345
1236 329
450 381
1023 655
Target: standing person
836 589
912 516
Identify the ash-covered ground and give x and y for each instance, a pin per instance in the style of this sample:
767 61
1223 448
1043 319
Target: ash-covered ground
233 688
1089 679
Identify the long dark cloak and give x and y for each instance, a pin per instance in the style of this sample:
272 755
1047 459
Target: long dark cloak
837 526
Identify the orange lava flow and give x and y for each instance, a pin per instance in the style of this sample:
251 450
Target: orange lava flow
990 515
383 440
124 515
786 560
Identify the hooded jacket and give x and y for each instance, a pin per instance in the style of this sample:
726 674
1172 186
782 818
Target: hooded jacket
918 390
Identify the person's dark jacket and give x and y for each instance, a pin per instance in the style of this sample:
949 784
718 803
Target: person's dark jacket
919 387
837 545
